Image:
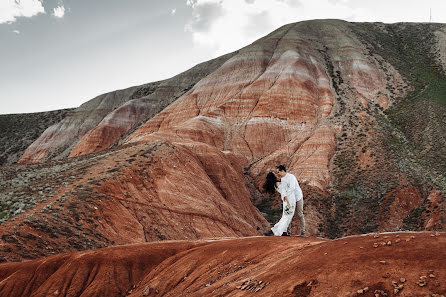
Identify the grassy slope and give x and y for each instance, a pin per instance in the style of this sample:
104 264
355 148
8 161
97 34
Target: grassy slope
415 127
421 115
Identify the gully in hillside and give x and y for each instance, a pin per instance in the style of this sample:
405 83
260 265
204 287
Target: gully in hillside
292 200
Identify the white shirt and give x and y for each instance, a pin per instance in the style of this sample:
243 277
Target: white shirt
291 187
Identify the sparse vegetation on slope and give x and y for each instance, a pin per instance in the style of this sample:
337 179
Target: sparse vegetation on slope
408 145
18 131
421 114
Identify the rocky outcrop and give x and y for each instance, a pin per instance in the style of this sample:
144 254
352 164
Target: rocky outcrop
113 127
390 264
58 140
19 131
435 210
404 202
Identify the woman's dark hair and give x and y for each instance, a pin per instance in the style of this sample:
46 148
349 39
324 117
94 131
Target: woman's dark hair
270 184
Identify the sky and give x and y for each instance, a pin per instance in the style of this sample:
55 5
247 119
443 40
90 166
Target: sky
58 54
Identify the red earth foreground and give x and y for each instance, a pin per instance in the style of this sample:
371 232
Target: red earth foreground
386 264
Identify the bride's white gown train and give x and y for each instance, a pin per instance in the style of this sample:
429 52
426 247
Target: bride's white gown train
285 220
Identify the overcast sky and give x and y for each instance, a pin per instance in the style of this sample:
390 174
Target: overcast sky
60 53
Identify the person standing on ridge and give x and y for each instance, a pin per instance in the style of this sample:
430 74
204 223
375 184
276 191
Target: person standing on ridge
293 193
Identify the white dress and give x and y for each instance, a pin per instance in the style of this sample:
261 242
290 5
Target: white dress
285 220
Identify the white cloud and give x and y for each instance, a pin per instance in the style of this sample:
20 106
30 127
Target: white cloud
191 3
16 31
173 11
10 10
59 11
227 25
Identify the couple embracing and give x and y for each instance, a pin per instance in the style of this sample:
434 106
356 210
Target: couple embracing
292 199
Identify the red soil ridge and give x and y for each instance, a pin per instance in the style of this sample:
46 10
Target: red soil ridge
387 264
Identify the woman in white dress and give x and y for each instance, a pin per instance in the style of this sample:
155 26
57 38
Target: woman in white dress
271 185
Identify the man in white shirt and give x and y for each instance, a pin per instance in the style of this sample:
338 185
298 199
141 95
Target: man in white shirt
293 193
